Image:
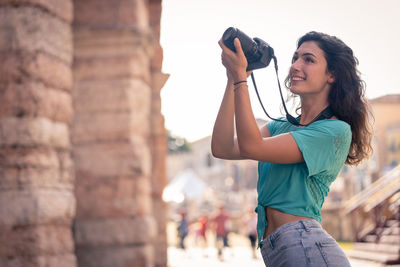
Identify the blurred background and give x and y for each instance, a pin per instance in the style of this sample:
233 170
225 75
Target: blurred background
364 200
106 112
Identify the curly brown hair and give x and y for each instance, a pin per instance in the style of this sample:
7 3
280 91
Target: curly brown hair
347 95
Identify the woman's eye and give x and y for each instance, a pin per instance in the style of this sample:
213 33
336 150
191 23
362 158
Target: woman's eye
309 60
294 59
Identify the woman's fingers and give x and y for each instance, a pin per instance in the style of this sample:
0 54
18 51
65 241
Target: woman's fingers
234 62
238 47
221 43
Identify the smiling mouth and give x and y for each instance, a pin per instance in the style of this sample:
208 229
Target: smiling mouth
297 79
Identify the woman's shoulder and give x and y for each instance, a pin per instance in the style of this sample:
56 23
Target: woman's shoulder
276 125
331 127
332 124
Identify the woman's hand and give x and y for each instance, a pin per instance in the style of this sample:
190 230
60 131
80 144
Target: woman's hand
235 63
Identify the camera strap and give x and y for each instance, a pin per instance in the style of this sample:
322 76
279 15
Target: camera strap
325 114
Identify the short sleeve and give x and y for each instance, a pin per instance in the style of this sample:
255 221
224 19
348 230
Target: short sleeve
273 126
318 143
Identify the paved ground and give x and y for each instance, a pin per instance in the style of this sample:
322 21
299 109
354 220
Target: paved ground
233 257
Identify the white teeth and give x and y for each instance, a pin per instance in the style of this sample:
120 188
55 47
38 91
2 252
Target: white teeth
297 79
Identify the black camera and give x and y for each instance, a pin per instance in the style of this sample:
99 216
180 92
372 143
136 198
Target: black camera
258 53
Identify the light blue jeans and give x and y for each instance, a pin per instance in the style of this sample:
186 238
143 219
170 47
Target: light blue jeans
302 243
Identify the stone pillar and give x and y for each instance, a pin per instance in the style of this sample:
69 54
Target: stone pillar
37 204
158 140
112 133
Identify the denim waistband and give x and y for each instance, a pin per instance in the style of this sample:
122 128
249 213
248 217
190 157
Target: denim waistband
306 225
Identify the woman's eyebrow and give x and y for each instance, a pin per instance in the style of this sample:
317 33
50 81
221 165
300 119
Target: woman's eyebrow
305 54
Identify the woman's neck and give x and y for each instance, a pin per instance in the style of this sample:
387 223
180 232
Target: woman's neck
311 109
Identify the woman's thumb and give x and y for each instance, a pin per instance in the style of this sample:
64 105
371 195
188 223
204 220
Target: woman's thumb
238 46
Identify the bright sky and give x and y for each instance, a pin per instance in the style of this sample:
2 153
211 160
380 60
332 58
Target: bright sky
190 31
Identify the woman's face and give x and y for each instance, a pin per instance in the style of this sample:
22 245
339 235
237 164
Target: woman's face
308 73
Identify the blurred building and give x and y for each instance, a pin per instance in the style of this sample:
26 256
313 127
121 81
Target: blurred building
387 131
82 138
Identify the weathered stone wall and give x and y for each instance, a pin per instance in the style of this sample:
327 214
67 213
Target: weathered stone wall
37 204
95 201
118 134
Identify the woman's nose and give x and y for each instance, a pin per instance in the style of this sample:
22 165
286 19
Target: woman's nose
295 65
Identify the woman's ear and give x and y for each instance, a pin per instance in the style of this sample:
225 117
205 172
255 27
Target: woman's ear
331 77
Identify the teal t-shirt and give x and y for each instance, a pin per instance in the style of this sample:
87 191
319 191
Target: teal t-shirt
300 188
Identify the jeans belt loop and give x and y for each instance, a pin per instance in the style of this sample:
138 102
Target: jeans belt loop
271 241
305 226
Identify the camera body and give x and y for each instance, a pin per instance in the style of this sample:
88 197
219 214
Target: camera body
258 53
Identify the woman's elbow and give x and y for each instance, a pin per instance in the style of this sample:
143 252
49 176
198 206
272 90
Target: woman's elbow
217 153
220 153
245 151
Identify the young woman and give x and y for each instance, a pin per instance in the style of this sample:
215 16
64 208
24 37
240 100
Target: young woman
297 164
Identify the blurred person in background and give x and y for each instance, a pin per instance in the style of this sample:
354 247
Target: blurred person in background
201 233
183 229
221 222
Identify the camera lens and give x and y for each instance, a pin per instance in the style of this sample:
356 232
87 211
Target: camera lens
229 35
249 46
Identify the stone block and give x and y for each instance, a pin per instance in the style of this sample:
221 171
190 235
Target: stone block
33 132
35 100
104 126
21 157
34 240
158 80
114 232
30 169
61 8
155 9
160 244
41 206
22 66
135 65
157 126
112 95
118 42
64 260
158 177
32 29
142 256
32 178
120 196
109 14
160 249
114 159
160 215
157 59
115 126
66 169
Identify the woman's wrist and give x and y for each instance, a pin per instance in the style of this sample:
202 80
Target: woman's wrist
240 76
239 82
240 85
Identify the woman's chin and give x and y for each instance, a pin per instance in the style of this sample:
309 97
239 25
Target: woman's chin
294 90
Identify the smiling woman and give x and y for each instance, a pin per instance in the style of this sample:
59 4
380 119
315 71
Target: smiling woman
308 74
297 163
